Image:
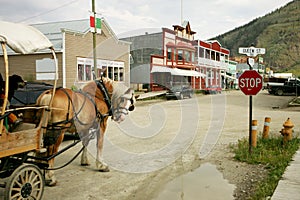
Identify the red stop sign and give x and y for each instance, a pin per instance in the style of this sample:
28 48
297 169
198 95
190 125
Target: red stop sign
250 82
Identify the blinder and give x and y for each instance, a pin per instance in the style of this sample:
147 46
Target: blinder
131 107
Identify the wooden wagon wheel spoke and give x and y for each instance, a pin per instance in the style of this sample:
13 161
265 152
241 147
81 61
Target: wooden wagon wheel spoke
25 183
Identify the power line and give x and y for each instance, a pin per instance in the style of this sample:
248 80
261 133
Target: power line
44 13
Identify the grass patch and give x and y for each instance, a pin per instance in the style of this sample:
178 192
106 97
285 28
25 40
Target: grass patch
271 153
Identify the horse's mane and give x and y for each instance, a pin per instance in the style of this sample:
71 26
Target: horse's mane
115 89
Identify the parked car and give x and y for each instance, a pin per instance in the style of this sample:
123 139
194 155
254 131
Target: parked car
179 92
213 89
291 87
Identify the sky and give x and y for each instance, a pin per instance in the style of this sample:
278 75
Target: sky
208 18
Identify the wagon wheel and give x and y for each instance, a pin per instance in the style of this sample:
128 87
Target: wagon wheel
25 183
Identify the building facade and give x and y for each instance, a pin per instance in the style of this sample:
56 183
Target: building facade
212 60
176 58
142 46
73 43
176 65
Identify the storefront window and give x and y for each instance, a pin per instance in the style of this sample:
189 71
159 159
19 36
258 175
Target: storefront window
88 71
80 70
116 74
106 68
121 74
110 72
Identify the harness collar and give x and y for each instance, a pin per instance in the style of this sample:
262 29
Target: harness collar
104 91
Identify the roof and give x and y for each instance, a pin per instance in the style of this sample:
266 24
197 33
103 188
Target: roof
54 30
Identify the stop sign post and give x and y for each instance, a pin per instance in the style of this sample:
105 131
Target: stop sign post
250 82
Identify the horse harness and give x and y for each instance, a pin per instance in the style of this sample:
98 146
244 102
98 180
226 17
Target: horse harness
58 126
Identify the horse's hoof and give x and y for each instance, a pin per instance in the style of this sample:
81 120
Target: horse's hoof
85 164
51 183
106 169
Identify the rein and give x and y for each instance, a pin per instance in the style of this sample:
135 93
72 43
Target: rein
100 116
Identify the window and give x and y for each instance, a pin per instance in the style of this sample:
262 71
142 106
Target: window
201 52
110 72
107 68
84 72
88 70
193 57
80 70
180 55
169 54
121 73
116 74
217 56
207 53
213 55
104 71
187 56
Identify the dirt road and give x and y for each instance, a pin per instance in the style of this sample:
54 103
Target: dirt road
162 140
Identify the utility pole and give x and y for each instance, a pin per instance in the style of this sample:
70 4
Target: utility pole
94 70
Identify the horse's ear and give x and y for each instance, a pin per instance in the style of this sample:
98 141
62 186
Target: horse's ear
128 93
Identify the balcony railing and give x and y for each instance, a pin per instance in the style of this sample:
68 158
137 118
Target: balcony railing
212 63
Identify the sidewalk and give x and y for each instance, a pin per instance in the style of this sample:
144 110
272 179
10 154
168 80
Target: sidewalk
289 185
150 94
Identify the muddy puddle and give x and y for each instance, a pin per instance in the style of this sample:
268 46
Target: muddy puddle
206 182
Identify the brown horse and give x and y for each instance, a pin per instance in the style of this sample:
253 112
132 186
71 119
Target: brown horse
82 111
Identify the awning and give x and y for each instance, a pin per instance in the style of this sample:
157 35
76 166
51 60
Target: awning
176 71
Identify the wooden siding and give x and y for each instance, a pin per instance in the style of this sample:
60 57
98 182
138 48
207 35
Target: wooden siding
25 66
108 48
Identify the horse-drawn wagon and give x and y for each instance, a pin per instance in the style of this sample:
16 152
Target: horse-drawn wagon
20 175
29 150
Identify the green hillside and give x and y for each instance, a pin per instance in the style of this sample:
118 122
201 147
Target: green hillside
278 32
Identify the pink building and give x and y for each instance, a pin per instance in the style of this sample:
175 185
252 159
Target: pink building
213 61
185 60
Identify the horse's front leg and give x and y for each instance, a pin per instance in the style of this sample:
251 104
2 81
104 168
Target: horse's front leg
100 164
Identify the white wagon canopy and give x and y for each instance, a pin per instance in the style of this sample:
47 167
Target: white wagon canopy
22 38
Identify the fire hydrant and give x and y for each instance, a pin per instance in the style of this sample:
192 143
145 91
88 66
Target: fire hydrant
287 131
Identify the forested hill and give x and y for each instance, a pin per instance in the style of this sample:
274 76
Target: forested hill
278 32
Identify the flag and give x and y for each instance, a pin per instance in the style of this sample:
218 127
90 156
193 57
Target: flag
95 23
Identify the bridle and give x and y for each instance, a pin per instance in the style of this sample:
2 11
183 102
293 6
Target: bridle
123 109
112 110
